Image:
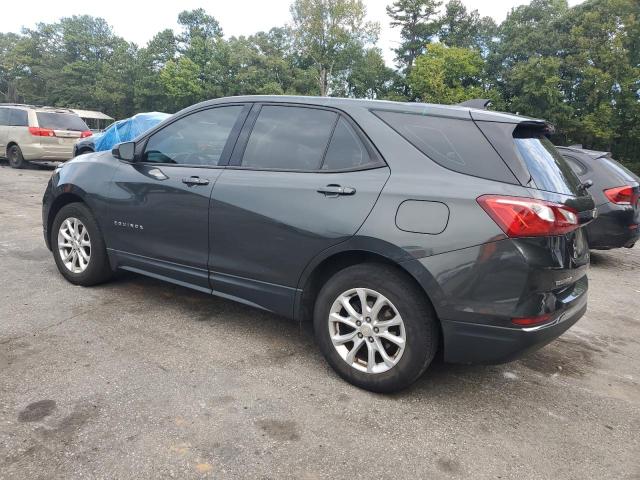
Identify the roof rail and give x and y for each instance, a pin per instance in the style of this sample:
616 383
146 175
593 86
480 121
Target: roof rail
478 103
43 107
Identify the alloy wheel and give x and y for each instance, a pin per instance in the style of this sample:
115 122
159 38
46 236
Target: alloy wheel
74 245
367 330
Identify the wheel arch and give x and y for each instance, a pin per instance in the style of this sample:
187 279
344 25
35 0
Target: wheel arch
333 260
61 201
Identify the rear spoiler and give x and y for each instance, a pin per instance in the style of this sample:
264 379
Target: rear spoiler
477 103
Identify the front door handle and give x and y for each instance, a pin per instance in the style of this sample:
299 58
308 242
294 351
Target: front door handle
195 181
333 190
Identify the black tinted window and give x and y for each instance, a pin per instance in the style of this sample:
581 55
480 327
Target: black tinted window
549 170
61 121
289 138
345 150
197 139
452 143
18 118
4 116
576 165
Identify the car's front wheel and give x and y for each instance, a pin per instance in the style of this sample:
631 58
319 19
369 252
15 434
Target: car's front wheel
78 246
375 327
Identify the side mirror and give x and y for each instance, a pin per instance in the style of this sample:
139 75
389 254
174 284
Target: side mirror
125 151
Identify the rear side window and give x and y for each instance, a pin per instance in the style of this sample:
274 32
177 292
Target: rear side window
61 121
548 169
18 118
4 116
346 150
576 165
289 138
452 143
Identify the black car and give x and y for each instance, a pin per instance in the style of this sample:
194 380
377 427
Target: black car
616 191
397 229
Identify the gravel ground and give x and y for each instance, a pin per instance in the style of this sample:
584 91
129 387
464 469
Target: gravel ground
142 379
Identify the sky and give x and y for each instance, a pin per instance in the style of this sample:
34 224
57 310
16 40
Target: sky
138 21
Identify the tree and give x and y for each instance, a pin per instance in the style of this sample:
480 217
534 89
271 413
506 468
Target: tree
326 31
447 75
418 24
460 28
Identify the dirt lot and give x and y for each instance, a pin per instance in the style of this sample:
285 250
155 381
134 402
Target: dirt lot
141 379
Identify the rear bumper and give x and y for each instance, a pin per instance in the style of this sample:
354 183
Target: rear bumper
36 152
477 291
488 344
615 227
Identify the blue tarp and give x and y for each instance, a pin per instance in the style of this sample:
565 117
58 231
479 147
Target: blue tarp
127 129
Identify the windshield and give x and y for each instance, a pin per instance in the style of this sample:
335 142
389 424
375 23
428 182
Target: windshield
61 121
549 170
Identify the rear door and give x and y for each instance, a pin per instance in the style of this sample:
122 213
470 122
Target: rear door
301 179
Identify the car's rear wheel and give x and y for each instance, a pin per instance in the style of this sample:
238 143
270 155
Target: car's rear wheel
14 155
375 327
78 246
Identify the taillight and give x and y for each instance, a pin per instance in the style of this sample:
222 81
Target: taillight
41 132
621 195
529 217
531 321
86 133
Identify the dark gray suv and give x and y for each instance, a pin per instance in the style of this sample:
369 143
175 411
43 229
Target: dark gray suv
399 230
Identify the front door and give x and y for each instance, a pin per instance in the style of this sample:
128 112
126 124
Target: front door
302 181
159 208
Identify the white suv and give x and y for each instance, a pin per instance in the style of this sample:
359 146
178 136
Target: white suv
30 133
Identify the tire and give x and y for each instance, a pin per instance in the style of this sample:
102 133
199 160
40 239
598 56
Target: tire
15 158
404 298
97 269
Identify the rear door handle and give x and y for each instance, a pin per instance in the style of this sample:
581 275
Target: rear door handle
334 190
195 181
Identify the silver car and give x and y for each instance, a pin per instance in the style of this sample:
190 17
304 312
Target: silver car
29 133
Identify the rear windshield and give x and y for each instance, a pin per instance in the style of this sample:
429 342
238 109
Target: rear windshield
453 143
621 170
61 121
548 169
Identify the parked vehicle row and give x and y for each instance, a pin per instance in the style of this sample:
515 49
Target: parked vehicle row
616 192
32 133
400 230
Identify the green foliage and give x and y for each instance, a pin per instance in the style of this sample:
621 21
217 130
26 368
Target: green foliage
447 75
578 67
329 32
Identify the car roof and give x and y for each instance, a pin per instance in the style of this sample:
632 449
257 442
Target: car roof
38 108
452 111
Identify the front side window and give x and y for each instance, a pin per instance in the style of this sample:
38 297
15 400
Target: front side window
197 139
289 138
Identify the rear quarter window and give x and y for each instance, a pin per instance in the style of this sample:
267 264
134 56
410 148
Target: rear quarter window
455 144
61 121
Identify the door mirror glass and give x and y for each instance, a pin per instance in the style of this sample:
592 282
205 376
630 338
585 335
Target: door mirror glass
125 151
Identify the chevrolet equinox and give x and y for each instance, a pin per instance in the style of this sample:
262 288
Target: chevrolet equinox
400 230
